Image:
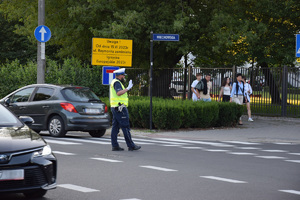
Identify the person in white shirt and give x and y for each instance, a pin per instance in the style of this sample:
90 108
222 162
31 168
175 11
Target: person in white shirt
225 90
248 92
196 94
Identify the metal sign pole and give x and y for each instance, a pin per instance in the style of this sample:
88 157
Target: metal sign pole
151 75
41 62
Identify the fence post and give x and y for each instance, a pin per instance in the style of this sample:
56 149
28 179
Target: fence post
284 92
233 74
189 80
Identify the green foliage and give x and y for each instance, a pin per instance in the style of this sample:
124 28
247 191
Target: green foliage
175 114
15 75
74 72
218 33
229 114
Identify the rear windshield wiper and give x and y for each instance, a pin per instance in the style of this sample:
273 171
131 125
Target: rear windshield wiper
95 100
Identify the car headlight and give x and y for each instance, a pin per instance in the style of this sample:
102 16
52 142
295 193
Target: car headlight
43 152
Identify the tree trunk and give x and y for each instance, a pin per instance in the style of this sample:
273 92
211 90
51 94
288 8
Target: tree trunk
269 80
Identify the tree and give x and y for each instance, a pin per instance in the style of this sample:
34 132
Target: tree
255 31
14 46
74 23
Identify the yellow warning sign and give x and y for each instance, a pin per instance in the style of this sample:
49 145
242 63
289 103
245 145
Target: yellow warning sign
298 59
112 52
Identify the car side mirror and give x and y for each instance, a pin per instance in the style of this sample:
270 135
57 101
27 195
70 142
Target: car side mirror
7 101
26 120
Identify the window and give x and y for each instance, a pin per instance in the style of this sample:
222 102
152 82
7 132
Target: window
43 94
79 94
7 118
22 96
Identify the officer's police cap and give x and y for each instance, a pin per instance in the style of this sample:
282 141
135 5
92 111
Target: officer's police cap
120 72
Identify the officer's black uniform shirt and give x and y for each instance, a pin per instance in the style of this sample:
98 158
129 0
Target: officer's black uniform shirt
117 86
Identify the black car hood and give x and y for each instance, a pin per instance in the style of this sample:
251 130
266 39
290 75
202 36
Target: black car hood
18 139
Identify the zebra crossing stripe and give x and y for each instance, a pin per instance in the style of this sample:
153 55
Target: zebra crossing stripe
291 191
107 160
222 179
64 153
295 161
61 142
159 168
86 141
77 188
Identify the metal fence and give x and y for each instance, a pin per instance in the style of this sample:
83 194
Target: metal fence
276 91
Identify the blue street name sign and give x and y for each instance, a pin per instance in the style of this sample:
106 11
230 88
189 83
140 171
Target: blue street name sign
298 45
108 75
165 37
42 33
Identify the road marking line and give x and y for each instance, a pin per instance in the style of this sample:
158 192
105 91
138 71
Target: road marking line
295 161
157 141
247 148
290 191
121 140
192 147
158 168
107 160
223 179
215 150
198 142
130 199
64 153
77 188
275 151
297 154
171 145
284 143
86 140
270 157
137 140
241 153
62 142
238 142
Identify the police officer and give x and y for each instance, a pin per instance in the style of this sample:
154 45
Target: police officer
119 103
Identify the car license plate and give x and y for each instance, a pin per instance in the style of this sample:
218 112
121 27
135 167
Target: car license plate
92 111
6 175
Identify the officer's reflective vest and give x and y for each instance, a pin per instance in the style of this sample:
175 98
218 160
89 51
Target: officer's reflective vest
114 98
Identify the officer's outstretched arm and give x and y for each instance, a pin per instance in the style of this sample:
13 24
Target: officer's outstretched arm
121 92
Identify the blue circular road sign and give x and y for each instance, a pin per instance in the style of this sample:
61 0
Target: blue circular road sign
42 33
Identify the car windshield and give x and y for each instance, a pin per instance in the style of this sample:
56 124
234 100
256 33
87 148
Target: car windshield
80 94
7 119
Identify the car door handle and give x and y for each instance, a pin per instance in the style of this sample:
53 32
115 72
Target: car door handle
22 107
45 106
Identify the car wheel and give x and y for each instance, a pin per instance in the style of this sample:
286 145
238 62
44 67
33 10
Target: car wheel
98 133
35 193
56 127
173 92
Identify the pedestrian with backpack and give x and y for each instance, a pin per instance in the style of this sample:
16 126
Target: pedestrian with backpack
207 85
196 93
238 92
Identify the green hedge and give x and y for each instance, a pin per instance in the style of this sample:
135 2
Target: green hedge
175 114
13 75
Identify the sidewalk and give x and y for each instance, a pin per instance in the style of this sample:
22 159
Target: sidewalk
263 129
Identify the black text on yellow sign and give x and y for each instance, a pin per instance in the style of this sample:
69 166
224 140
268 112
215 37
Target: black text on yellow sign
112 52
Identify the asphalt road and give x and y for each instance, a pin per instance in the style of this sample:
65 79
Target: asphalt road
174 169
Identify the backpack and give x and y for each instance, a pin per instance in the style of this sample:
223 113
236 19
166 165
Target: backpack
200 86
237 87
